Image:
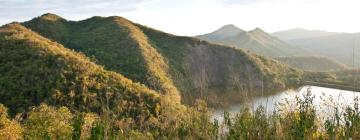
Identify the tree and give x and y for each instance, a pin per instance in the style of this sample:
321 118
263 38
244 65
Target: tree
45 122
9 129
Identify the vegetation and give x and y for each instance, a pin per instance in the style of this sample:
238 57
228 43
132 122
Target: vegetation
9 129
168 64
312 63
36 70
345 79
109 78
47 122
291 120
200 68
55 93
113 42
294 121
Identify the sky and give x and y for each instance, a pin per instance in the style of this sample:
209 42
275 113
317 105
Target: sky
194 17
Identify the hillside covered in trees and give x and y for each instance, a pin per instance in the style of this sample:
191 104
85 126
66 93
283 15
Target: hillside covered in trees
109 77
163 62
61 94
312 63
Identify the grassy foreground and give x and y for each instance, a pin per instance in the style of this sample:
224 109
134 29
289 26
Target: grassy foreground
298 120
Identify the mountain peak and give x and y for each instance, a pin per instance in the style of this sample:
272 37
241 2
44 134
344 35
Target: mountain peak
258 30
51 17
226 31
296 30
299 29
229 28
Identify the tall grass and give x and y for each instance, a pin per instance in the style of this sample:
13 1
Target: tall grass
298 120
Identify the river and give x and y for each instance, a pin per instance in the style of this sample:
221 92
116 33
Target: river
325 99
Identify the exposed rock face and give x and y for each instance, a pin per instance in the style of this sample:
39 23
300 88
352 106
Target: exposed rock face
212 67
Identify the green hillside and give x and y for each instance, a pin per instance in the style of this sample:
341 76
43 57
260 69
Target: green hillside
36 70
113 42
166 63
215 71
342 79
61 94
255 40
312 63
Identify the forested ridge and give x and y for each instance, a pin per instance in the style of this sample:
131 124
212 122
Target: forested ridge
40 72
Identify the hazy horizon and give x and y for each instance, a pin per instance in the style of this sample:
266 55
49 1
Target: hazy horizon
197 17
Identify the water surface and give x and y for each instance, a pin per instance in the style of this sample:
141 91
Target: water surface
324 101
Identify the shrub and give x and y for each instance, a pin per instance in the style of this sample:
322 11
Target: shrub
49 123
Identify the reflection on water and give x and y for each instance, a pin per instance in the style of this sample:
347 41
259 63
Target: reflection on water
325 99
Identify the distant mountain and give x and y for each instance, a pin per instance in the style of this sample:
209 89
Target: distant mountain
224 32
299 33
344 48
255 40
312 63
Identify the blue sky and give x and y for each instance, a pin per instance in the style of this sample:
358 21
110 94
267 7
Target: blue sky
192 17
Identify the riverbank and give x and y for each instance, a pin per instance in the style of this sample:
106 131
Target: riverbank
332 85
310 113
270 103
